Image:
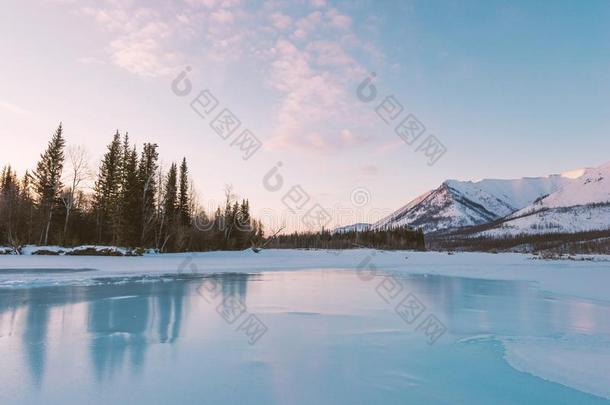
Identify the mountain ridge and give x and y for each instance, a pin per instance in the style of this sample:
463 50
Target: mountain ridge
572 201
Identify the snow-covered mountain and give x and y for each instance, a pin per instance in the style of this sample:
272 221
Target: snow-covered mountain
592 187
580 205
359 227
457 204
573 201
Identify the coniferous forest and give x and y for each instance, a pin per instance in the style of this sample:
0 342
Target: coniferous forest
129 200
391 239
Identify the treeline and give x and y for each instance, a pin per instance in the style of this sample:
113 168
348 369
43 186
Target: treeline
130 201
590 242
392 239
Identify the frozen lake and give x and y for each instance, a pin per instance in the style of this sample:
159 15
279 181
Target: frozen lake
306 336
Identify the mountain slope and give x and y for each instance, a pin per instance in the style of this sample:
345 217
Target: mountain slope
593 187
457 204
359 227
580 205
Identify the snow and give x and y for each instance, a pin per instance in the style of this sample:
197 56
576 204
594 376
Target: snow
559 220
506 196
60 250
581 205
395 218
574 174
565 202
593 187
465 203
439 209
359 227
6 250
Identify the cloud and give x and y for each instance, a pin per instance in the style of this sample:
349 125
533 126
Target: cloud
281 21
13 108
338 20
329 53
369 171
315 71
310 96
307 25
318 142
141 38
310 57
222 16
142 51
389 147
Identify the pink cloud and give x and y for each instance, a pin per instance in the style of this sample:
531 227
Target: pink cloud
222 16
281 21
389 147
308 24
308 57
329 53
338 20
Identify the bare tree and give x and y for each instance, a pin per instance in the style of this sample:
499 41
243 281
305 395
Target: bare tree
258 249
77 175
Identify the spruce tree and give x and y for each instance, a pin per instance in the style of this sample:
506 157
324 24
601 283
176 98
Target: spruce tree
147 170
184 204
131 201
9 203
245 224
107 192
27 210
47 180
170 205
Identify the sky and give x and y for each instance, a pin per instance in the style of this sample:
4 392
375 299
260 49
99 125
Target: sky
506 88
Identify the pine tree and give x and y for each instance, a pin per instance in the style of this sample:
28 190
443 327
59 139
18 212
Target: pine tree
107 192
218 234
9 203
260 231
47 180
131 200
184 204
232 219
147 171
170 206
244 221
27 210
120 216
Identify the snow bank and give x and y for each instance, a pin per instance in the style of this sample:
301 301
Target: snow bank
82 250
5 250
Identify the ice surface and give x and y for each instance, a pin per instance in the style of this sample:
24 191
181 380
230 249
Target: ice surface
144 330
580 361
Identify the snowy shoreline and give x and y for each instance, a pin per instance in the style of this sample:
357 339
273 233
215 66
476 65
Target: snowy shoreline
584 279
